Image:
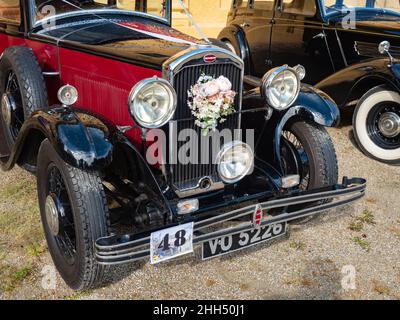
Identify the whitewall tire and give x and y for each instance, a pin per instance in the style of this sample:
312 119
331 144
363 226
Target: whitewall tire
376 123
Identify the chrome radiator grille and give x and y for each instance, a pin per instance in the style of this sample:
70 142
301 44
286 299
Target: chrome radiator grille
188 176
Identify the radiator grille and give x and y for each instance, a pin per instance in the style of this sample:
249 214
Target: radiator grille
187 176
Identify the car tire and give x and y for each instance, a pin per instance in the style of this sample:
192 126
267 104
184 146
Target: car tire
22 90
74 215
319 166
373 139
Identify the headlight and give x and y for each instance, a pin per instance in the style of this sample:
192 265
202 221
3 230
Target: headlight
235 161
152 102
281 86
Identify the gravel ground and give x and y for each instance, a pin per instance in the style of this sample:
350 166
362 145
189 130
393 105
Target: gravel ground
310 264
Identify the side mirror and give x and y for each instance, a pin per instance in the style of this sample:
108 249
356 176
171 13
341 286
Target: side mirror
384 47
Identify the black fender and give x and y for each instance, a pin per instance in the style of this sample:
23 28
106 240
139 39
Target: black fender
353 82
311 105
127 155
80 139
235 35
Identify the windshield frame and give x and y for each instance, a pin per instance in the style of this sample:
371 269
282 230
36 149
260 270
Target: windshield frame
97 12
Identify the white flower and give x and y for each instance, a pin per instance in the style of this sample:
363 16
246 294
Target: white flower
224 84
211 101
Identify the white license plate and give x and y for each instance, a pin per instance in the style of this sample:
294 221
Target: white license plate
170 243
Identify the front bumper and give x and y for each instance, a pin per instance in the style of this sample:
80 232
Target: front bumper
128 248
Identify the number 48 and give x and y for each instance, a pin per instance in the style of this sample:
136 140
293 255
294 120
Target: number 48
180 240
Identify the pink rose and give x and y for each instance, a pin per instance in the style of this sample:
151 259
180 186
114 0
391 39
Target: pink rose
210 88
214 98
224 84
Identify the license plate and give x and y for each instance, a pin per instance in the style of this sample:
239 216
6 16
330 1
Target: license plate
241 240
171 243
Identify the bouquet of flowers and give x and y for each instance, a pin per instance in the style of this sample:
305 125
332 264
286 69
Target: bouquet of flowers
211 101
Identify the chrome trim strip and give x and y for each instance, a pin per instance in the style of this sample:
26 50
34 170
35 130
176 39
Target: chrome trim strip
51 74
195 190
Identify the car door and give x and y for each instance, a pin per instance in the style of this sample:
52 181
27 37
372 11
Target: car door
257 27
298 37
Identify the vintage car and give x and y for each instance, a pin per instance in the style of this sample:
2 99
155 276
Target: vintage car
88 88
337 42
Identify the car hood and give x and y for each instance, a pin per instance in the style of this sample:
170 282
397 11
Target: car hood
140 43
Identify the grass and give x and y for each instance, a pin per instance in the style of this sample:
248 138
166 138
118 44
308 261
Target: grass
367 217
19 211
297 245
13 278
35 249
20 228
79 295
364 244
356 226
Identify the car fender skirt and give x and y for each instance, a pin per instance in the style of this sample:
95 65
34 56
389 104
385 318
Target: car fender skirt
80 139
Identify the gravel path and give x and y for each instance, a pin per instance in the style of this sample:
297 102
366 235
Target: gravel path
308 265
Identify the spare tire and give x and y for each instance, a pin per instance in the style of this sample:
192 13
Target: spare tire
22 90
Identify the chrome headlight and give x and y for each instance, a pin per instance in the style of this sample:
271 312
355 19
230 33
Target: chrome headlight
281 87
235 161
152 102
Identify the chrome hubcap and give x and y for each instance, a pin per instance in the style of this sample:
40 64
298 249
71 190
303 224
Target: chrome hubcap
6 109
389 124
52 215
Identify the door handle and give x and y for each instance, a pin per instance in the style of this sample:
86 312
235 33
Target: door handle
320 35
245 25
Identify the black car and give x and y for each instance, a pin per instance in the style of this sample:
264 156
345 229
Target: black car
349 52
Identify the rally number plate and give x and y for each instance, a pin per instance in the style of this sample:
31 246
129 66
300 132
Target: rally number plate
170 243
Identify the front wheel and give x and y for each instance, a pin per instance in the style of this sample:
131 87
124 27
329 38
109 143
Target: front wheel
376 123
308 150
74 214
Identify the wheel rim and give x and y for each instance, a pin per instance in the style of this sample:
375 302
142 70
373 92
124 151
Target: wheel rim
383 125
11 105
59 216
295 159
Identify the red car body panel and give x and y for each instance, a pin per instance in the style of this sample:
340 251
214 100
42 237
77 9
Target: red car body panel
103 84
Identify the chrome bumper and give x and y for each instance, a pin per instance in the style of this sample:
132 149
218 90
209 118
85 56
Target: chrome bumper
128 248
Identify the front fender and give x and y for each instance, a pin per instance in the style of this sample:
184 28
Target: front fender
396 72
80 139
235 35
348 84
311 105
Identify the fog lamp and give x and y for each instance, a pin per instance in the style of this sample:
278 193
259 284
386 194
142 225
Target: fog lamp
235 161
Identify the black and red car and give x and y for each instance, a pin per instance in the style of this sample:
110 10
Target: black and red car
89 88
343 44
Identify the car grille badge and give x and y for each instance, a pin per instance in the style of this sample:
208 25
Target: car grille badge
257 216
